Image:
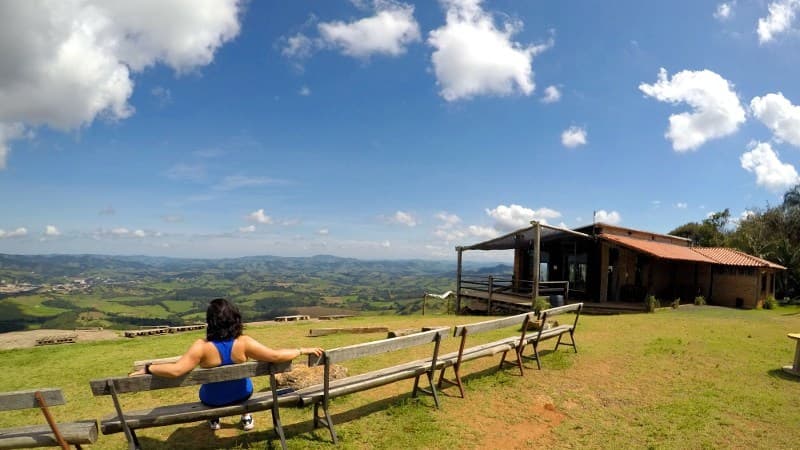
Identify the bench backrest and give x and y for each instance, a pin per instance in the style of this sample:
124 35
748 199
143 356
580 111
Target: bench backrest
545 314
27 399
336 355
490 325
195 377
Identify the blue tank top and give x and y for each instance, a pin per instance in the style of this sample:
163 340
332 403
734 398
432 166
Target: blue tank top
229 392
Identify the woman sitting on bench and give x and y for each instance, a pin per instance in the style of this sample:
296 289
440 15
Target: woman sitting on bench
224 344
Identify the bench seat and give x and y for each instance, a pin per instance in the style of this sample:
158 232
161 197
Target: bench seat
193 412
81 432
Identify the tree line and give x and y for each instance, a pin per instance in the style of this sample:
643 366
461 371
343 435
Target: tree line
771 233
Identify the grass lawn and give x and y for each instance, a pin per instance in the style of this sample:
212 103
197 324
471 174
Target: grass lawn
695 377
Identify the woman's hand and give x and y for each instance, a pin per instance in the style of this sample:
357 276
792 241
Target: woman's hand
316 351
136 373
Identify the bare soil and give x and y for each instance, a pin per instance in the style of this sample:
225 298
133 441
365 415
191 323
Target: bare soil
26 339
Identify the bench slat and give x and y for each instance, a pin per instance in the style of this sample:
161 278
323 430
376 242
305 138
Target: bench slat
193 412
195 377
370 380
82 432
340 354
488 325
562 309
26 399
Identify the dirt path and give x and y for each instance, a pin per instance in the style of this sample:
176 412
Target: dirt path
26 339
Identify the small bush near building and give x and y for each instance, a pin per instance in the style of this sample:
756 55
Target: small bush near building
699 300
676 303
652 303
541 303
770 303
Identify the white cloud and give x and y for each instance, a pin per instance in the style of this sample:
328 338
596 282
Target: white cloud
120 231
298 46
190 172
724 10
162 95
65 63
51 230
305 91
247 229
139 233
448 220
323 232
513 217
781 15
388 32
232 182
681 205
716 108
403 218
19 232
746 214
573 137
482 232
259 217
474 57
8 132
771 173
551 94
780 115
386 244
610 218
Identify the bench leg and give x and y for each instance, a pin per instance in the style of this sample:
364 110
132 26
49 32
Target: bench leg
326 421
276 414
430 391
457 381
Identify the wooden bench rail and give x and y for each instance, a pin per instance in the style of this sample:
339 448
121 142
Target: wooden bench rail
130 421
198 376
27 399
504 345
320 395
548 333
52 434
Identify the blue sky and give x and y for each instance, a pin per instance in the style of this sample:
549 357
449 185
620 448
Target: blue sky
384 129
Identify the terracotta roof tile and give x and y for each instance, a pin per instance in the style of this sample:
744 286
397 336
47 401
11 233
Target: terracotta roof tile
659 249
731 257
711 255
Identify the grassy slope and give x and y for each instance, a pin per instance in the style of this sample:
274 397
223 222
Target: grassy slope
688 378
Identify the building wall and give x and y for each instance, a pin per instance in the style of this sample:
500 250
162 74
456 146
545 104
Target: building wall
732 283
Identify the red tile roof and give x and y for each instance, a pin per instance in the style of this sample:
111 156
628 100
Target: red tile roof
731 257
711 255
659 249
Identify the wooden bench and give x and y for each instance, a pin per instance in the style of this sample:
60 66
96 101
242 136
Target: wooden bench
544 333
456 359
129 421
51 435
321 395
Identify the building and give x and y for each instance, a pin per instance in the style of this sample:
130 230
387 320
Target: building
612 267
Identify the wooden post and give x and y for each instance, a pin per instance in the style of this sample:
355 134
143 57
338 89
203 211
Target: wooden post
458 281
424 298
489 301
537 235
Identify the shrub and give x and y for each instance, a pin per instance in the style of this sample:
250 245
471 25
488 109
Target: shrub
541 303
676 303
770 303
699 300
652 303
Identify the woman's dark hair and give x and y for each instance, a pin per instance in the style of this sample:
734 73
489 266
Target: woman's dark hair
224 320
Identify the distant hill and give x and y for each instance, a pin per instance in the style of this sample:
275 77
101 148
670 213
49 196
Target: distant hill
65 291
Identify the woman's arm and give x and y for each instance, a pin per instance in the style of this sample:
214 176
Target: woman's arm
182 366
256 350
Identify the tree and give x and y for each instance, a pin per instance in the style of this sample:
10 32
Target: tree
711 232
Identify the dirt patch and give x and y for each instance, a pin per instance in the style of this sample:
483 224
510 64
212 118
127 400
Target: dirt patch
27 339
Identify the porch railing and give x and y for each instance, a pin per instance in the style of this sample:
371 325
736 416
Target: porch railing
524 288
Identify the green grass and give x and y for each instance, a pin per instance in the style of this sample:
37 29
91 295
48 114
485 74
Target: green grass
695 377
